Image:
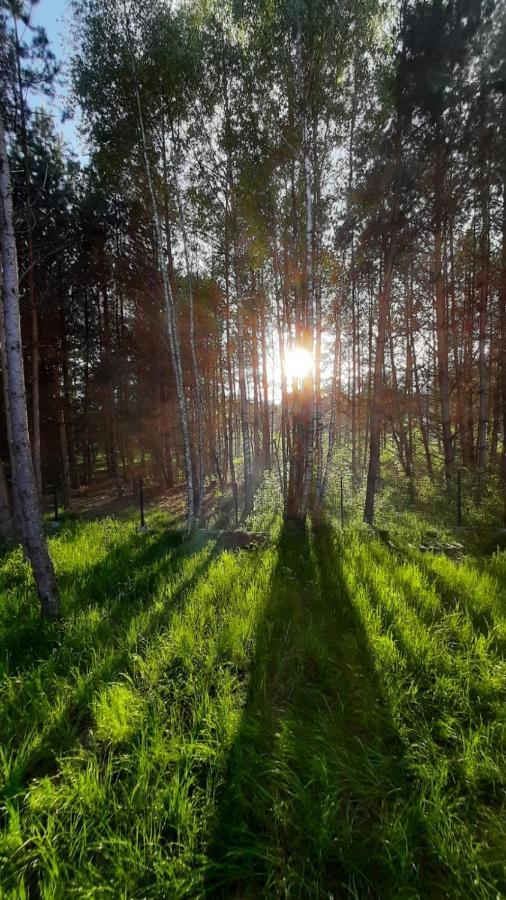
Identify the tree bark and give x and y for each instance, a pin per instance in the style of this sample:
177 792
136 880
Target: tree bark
199 403
62 432
308 398
21 458
266 439
6 518
170 310
377 388
34 315
483 315
442 331
502 301
246 443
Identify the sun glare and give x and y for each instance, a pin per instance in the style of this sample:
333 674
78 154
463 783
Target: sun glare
298 363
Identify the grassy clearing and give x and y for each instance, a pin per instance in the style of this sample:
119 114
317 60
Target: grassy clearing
321 718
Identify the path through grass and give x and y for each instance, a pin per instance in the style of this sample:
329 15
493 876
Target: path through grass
321 718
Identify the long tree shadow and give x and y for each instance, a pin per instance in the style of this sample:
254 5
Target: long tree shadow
78 658
316 800
484 616
119 585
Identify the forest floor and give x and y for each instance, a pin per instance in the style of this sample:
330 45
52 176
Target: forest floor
107 496
324 717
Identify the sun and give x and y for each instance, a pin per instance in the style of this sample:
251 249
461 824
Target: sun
298 363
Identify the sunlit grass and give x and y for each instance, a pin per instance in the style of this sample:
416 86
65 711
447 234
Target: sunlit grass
321 717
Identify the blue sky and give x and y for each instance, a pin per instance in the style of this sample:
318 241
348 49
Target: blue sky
56 17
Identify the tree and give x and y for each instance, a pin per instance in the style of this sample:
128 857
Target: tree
20 450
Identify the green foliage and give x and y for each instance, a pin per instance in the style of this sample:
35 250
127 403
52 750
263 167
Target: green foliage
118 713
410 507
268 505
325 716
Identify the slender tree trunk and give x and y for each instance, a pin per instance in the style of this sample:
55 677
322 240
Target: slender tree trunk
109 405
421 417
266 439
246 444
256 398
354 305
231 392
468 368
377 411
17 515
62 432
34 315
21 458
483 323
404 454
199 402
6 518
333 400
377 389
495 406
308 387
457 358
502 307
170 310
284 424
67 409
442 332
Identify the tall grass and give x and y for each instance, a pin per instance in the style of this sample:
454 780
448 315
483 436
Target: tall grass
324 717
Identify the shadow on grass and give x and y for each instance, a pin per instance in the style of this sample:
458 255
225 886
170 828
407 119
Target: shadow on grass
316 800
485 620
61 670
28 639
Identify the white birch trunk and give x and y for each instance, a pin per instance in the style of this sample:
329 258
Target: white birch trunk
34 315
18 519
21 458
195 365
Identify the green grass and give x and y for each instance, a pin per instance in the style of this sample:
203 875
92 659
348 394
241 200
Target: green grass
325 717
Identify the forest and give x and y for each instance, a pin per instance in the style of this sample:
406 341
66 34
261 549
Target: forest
253 449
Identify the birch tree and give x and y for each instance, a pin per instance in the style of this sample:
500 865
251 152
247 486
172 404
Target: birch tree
20 450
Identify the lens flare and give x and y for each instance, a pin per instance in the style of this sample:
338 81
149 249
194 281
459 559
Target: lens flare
298 363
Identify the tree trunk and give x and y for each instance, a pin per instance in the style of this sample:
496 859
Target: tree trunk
246 444
34 315
403 445
170 310
377 387
17 519
21 458
308 399
502 299
199 403
442 336
483 322
256 399
266 439
62 432
6 518
335 388
284 424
